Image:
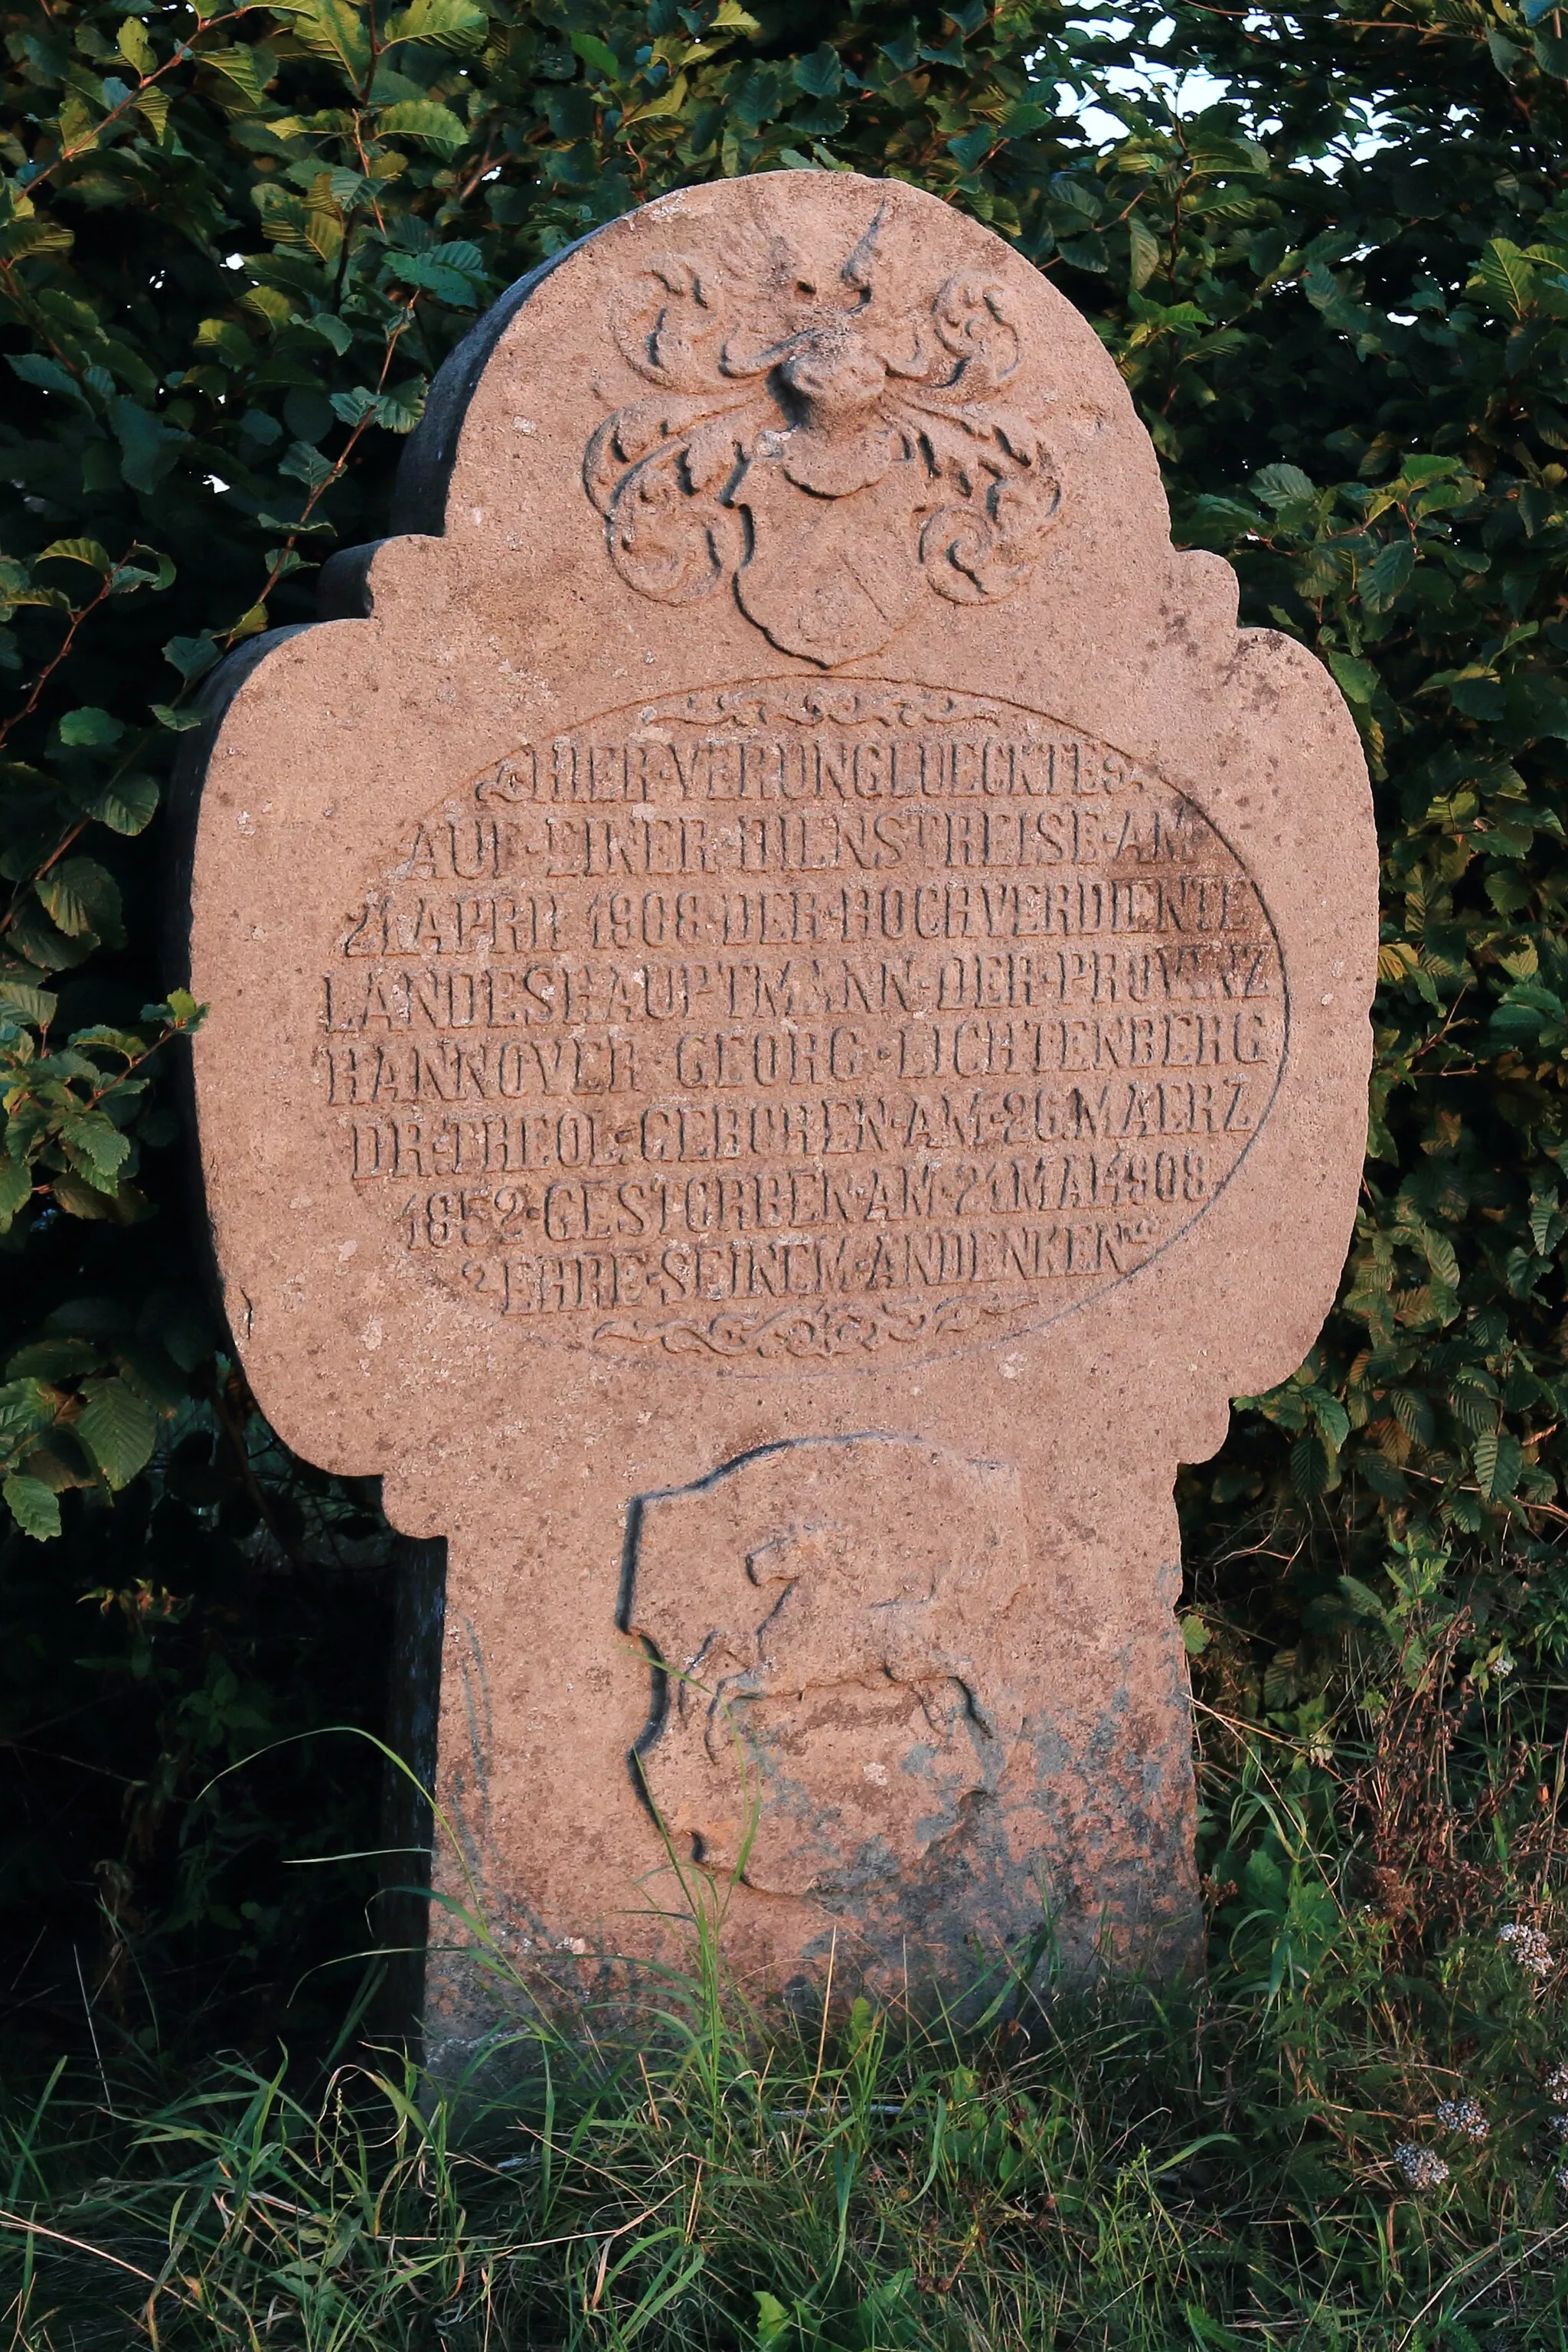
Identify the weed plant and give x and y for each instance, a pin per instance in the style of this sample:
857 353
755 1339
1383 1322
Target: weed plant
1353 2131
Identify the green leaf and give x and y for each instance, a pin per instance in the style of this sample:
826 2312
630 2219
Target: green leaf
1479 698
129 579
1532 1015
439 276
1360 1597
1330 1417
131 39
101 1037
352 408
1144 252
96 1148
47 374
444 24
1441 1257
181 1010
34 1506
1207 2331
20 997
1281 485
1213 151
1387 574
191 656
1499 1459
1218 523
54 1360
598 53
1507 275
1281 1682
80 898
248 69
15 1188
119 1430
423 119
128 805
79 1198
821 75
91 726
400 410
32 935
151 446
1310 1470
774 2324
1358 680
974 147
25 1408
78 550
332 28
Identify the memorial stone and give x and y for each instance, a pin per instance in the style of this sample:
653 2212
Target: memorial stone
788 1023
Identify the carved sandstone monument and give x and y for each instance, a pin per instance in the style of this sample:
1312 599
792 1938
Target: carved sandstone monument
788 1024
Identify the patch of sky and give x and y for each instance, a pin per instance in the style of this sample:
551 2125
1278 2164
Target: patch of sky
1166 90
1172 92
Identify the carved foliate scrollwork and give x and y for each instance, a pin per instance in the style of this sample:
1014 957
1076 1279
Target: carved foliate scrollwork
830 443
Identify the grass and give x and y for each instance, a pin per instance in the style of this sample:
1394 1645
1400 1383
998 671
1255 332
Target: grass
1234 2164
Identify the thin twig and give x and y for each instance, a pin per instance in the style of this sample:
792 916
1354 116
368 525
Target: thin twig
87 2005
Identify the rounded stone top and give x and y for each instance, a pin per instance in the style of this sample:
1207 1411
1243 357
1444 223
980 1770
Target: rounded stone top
722 372
779 882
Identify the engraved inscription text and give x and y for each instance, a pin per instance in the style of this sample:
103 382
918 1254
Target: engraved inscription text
783 1021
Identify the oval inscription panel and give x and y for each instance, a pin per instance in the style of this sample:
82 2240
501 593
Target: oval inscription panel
786 1022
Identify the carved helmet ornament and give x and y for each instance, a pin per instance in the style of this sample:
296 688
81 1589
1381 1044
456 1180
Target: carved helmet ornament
832 472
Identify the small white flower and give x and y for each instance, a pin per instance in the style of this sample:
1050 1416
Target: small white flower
1422 2169
1562 2180
1462 2115
1528 1946
1556 2087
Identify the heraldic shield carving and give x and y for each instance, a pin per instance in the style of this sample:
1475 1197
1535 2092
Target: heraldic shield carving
831 440
828 1717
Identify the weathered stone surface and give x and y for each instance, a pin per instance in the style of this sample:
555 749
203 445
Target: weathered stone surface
788 1024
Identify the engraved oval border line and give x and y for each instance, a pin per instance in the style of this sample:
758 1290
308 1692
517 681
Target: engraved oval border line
1016 1321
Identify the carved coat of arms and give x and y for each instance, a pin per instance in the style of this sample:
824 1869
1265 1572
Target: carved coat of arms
821 1618
828 441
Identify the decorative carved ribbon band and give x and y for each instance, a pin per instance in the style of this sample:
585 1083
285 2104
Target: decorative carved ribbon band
833 702
830 443
831 1330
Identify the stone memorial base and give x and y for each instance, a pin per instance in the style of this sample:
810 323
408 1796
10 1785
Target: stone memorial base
891 1700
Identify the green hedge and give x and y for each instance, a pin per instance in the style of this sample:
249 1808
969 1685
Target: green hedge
235 247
